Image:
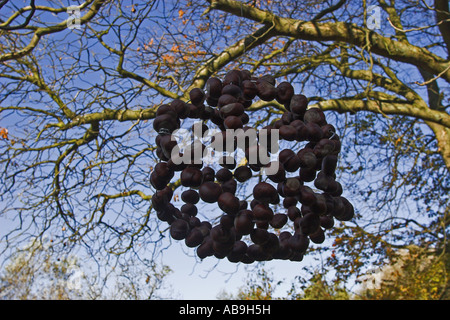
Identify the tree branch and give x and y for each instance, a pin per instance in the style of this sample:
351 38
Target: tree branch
340 31
42 31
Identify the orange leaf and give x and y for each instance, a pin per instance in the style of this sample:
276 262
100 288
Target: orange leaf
4 133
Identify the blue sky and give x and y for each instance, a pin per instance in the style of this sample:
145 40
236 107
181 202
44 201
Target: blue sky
188 277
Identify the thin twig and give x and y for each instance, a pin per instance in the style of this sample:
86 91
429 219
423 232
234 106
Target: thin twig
431 80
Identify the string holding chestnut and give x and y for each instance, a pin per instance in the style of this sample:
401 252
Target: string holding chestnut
249 231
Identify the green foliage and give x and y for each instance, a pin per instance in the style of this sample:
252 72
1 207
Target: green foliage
319 288
411 274
408 274
260 286
36 272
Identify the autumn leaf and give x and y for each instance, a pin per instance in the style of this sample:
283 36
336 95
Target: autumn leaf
4 133
180 13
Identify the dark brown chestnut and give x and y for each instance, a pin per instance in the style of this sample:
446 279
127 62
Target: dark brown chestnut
329 164
208 174
167 213
223 175
243 222
324 147
293 213
167 144
288 132
180 108
338 190
289 160
262 212
227 221
190 209
222 235
207 113
262 224
259 236
315 115
266 91
326 222
343 210
313 131
296 256
179 229
272 244
221 249
307 174
249 90
237 252
298 125
233 122
242 173
229 186
213 88
226 99
291 187
329 131
243 205
163 171
265 192
284 236
210 191
194 238
257 253
206 248
289 201
244 118
287 117
320 205
307 158
299 242
194 110
228 203
253 203
285 92
195 222
325 182
232 109
158 182
307 196
318 236
283 252
197 96
166 109
279 220
212 102
232 90
161 198
233 77
191 177
308 224
298 104
190 196
176 167
268 78
165 122
278 124
279 175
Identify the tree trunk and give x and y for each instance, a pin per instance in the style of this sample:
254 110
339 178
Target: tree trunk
443 139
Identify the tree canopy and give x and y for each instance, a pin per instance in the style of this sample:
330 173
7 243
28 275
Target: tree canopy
80 86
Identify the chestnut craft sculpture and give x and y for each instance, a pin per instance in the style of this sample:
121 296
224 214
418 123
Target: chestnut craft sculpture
249 232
